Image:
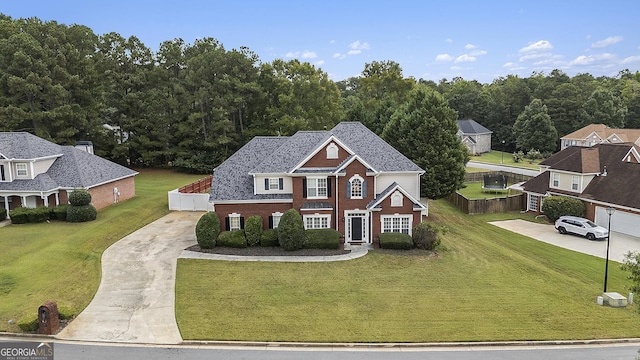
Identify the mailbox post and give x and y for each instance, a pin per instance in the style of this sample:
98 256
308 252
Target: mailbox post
48 320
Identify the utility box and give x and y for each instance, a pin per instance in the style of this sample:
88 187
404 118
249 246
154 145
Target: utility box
48 319
614 299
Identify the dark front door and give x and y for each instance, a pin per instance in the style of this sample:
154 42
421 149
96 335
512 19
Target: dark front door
356 229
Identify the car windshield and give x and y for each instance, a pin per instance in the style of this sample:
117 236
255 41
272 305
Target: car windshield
591 224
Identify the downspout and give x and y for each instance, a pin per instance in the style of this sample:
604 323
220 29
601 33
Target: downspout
336 212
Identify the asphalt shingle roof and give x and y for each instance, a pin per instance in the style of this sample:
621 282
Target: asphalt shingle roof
472 127
73 169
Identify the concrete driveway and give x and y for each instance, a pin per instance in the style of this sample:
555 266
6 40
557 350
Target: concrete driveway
135 302
620 244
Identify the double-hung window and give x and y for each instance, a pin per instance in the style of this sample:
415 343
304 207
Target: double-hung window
397 223
317 187
317 221
274 184
556 180
234 222
574 183
21 169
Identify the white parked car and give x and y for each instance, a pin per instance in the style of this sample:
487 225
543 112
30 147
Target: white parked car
580 226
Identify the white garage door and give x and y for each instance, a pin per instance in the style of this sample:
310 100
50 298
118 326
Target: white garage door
622 222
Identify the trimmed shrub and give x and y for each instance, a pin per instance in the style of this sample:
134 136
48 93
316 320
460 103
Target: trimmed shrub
39 214
555 206
19 215
81 213
233 239
208 230
291 230
393 240
322 239
60 212
3 213
426 236
269 238
80 198
253 230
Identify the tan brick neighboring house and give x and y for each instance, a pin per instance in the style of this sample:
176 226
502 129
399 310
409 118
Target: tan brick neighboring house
601 176
598 134
36 172
474 136
347 178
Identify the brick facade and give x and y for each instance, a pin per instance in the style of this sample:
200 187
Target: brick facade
246 210
103 195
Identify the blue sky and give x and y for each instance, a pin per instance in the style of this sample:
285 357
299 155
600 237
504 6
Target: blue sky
436 39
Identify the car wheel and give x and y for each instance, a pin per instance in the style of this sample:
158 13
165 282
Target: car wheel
562 230
591 237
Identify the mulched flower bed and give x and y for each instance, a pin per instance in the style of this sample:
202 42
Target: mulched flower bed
267 251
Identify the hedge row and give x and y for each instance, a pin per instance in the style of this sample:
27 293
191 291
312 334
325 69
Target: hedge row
394 240
321 239
40 214
3 213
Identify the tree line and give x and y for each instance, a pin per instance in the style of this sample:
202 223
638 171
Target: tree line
191 105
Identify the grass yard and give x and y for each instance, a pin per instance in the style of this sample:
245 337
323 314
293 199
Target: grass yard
487 284
474 190
503 158
61 261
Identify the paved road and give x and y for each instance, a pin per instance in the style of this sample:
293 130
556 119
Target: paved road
136 298
511 169
620 244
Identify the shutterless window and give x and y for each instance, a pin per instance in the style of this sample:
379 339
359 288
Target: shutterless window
399 224
556 180
533 203
316 222
574 183
21 169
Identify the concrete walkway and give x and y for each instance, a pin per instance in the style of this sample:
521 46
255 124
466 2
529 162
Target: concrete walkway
135 302
619 245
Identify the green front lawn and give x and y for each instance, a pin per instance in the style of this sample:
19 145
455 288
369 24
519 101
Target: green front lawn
487 284
474 190
61 261
503 158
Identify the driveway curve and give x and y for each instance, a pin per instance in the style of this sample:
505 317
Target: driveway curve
135 302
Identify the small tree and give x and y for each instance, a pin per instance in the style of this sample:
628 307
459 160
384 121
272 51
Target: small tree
207 230
555 206
80 208
291 230
426 236
253 230
631 264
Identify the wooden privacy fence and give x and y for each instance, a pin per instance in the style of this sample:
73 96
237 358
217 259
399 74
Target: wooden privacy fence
487 206
198 187
512 178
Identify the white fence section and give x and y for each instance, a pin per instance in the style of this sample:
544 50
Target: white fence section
189 202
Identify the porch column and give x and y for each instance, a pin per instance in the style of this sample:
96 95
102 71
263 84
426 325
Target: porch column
6 205
57 199
24 201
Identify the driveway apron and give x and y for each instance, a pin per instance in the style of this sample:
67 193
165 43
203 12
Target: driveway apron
135 302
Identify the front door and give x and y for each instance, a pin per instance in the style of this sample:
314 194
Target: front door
356 227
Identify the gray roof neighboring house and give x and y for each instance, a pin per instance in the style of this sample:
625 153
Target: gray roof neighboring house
73 168
471 127
233 179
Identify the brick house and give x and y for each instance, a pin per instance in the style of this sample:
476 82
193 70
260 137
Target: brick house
602 176
346 178
36 172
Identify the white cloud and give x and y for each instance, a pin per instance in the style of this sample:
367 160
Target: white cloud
586 60
540 45
320 62
631 59
339 56
478 53
292 54
470 46
508 64
444 58
357 45
449 40
465 58
534 56
354 52
606 42
309 54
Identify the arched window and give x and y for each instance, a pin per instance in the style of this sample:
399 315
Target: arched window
332 151
396 199
357 187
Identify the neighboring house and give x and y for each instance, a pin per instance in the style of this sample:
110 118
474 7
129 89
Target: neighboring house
36 172
598 134
346 178
474 136
601 176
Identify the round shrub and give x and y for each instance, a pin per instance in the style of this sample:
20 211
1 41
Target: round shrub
291 231
269 238
555 206
81 213
207 230
232 239
426 236
253 230
80 198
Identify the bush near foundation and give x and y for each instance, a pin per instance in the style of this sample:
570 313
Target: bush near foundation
80 209
253 230
232 239
269 238
207 230
398 241
24 215
60 212
555 206
426 236
322 239
3 213
291 230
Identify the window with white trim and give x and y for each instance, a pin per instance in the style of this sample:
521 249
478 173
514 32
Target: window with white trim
332 151
317 187
234 221
274 184
574 183
317 221
276 219
556 180
533 202
356 188
396 199
396 223
21 169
